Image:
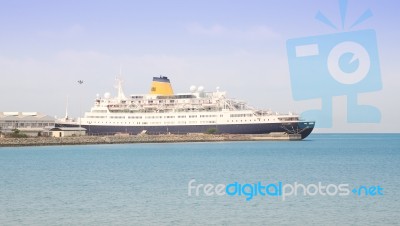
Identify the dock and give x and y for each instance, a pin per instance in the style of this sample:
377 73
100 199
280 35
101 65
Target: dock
143 138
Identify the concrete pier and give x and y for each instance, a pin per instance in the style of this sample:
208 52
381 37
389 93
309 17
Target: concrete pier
119 139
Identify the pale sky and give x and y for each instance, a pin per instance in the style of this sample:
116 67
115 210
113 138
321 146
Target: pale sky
240 46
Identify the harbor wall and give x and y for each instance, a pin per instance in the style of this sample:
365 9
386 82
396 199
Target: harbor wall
81 140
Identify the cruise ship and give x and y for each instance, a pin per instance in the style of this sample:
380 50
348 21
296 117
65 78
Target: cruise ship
197 111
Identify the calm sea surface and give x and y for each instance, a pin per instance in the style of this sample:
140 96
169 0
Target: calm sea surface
147 184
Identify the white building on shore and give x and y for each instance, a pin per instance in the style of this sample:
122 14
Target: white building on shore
67 132
29 123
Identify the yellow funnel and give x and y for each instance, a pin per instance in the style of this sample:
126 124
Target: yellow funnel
161 86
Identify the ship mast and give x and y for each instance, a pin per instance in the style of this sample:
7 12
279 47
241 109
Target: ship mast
120 91
66 109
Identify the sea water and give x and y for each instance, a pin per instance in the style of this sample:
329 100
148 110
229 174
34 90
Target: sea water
148 184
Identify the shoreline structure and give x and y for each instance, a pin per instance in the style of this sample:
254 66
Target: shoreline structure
124 139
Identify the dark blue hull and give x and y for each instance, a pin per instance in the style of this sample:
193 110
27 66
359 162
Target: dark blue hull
303 128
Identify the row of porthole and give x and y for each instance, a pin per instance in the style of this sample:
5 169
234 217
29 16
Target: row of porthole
151 123
158 123
246 120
